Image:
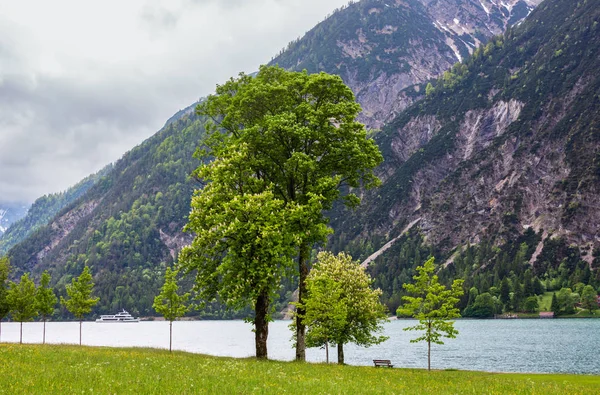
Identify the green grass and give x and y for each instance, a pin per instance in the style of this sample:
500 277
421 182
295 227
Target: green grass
71 369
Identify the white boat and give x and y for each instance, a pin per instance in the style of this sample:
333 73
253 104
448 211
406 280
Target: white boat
123 316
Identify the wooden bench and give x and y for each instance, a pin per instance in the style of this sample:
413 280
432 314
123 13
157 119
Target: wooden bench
383 362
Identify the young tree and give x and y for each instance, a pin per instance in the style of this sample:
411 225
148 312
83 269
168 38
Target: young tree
169 303
340 307
301 136
45 300
589 299
433 305
554 306
80 300
21 299
565 301
4 306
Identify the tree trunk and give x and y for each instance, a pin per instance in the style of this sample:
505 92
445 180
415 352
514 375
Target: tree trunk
261 325
21 334
429 347
340 348
80 321
300 327
44 332
170 336
327 352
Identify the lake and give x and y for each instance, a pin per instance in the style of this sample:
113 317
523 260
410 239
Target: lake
520 345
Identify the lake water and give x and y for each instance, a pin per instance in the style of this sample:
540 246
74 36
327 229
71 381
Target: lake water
559 345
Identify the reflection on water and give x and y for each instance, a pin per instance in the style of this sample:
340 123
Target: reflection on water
561 345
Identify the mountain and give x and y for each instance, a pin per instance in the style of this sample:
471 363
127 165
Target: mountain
497 166
128 225
384 48
43 209
10 213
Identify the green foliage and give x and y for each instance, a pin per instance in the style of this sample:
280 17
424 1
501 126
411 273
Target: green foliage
4 273
21 299
531 304
589 299
45 299
565 300
80 300
554 306
340 307
433 305
289 141
168 302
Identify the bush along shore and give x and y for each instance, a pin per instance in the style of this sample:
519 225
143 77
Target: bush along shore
59 369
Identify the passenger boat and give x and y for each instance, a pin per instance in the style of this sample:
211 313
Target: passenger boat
123 316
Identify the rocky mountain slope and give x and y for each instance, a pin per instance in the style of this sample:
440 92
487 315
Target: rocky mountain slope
502 151
382 47
44 209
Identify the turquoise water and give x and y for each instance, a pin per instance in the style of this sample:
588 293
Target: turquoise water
545 346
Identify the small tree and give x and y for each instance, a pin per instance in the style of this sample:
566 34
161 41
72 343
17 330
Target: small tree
21 299
531 304
45 300
433 305
4 306
566 301
589 299
554 306
169 303
340 306
80 300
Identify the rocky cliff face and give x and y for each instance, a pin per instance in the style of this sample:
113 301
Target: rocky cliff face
506 142
382 49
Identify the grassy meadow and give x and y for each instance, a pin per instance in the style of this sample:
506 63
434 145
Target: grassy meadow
52 369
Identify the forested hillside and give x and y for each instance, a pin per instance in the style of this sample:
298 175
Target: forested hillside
45 208
498 166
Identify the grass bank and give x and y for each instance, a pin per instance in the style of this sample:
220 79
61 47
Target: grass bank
71 369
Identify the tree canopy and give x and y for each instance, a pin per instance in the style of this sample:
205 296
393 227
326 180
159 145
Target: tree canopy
169 303
433 305
45 300
80 300
340 306
300 141
21 299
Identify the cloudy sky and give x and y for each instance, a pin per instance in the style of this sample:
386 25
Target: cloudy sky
83 82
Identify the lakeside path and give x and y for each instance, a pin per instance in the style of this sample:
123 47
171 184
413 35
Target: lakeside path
61 369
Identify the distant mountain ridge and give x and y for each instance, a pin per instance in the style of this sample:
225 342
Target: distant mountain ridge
43 209
10 213
383 48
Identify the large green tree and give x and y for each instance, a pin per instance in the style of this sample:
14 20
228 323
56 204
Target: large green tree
80 300
45 300
169 303
21 299
340 307
4 306
433 305
301 137
242 246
